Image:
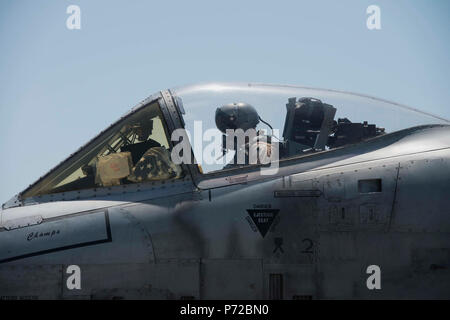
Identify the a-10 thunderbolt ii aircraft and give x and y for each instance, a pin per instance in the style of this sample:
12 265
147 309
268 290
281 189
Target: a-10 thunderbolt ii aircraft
353 204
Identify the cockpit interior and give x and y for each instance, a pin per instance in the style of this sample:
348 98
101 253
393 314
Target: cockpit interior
138 148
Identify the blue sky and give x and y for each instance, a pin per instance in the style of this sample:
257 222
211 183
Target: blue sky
60 87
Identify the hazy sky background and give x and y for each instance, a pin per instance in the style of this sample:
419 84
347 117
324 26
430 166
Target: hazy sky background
60 87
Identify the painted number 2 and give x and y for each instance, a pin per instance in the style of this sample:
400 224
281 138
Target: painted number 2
309 244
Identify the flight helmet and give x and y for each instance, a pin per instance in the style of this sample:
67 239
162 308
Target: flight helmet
234 116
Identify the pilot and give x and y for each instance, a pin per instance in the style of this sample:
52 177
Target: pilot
243 116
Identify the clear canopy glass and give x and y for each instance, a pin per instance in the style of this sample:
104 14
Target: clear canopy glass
270 101
296 120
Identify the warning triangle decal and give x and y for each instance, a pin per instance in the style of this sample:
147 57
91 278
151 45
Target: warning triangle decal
263 218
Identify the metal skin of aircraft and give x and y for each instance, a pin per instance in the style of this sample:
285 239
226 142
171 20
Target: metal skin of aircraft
347 197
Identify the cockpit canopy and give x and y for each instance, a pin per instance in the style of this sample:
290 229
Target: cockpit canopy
293 121
301 120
